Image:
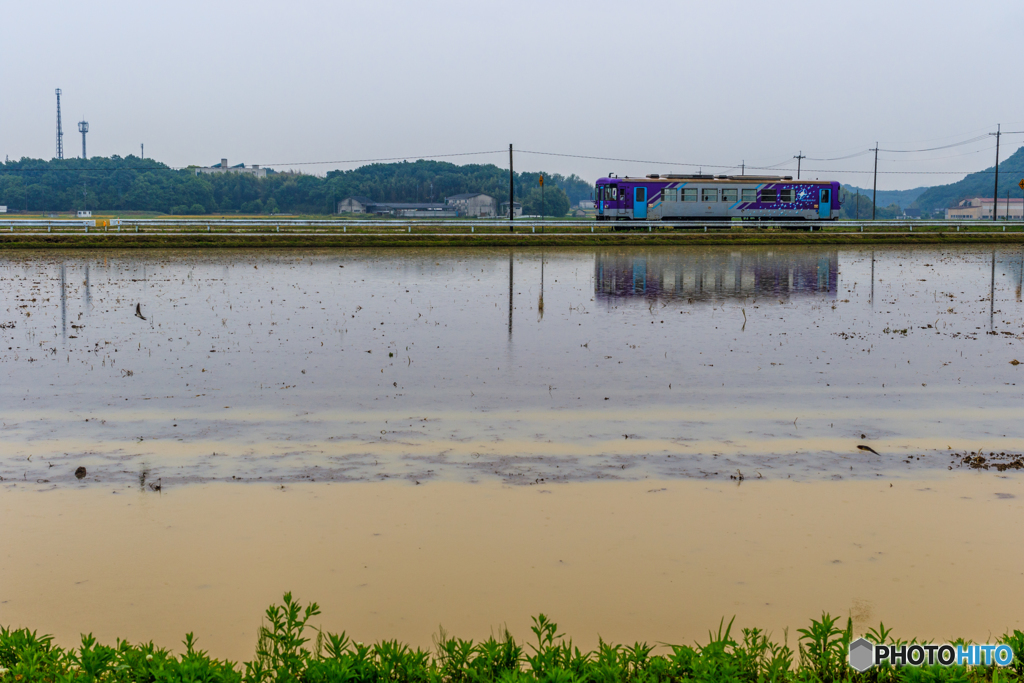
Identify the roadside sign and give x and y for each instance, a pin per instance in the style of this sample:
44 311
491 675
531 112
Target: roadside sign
542 182
1021 184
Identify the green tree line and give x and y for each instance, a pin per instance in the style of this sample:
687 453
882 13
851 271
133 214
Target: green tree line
859 208
134 184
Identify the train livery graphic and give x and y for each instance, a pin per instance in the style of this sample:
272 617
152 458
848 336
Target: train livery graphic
709 198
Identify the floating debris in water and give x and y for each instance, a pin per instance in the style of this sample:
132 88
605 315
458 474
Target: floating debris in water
997 461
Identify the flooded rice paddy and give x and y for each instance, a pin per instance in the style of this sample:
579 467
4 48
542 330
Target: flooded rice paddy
521 366
636 441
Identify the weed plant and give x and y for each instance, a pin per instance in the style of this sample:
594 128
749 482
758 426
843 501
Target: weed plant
291 649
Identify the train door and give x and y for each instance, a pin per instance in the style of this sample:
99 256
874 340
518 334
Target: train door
825 203
600 200
640 202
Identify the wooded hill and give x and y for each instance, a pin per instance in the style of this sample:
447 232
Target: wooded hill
903 198
979 184
134 184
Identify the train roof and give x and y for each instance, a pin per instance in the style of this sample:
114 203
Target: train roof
675 178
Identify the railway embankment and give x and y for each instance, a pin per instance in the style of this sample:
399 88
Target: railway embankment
320 239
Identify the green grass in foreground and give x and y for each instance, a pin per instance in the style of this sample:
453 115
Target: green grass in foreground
290 649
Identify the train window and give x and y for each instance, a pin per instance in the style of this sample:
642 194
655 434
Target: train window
709 194
767 196
786 195
826 196
669 195
689 194
729 195
750 195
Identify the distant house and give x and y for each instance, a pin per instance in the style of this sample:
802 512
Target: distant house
355 205
3 209
475 204
978 208
517 209
419 210
223 167
587 204
400 209
85 214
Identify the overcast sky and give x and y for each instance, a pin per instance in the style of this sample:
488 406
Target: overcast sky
712 83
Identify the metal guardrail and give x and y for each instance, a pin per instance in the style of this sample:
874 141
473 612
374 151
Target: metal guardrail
44 223
461 226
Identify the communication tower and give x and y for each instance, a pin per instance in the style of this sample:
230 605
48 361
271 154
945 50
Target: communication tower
60 133
83 128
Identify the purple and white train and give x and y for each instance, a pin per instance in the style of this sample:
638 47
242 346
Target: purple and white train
709 198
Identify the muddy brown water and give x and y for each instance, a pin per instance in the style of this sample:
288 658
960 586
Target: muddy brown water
661 561
678 425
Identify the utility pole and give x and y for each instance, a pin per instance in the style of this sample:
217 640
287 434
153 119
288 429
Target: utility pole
858 204
799 157
542 205
511 211
142 146
743 167
995 192
874 183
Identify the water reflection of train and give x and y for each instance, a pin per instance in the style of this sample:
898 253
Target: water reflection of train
685 274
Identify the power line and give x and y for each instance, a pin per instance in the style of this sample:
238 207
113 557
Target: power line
294 163
370 161
932 149
848 156
905 160
758 168
774 167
